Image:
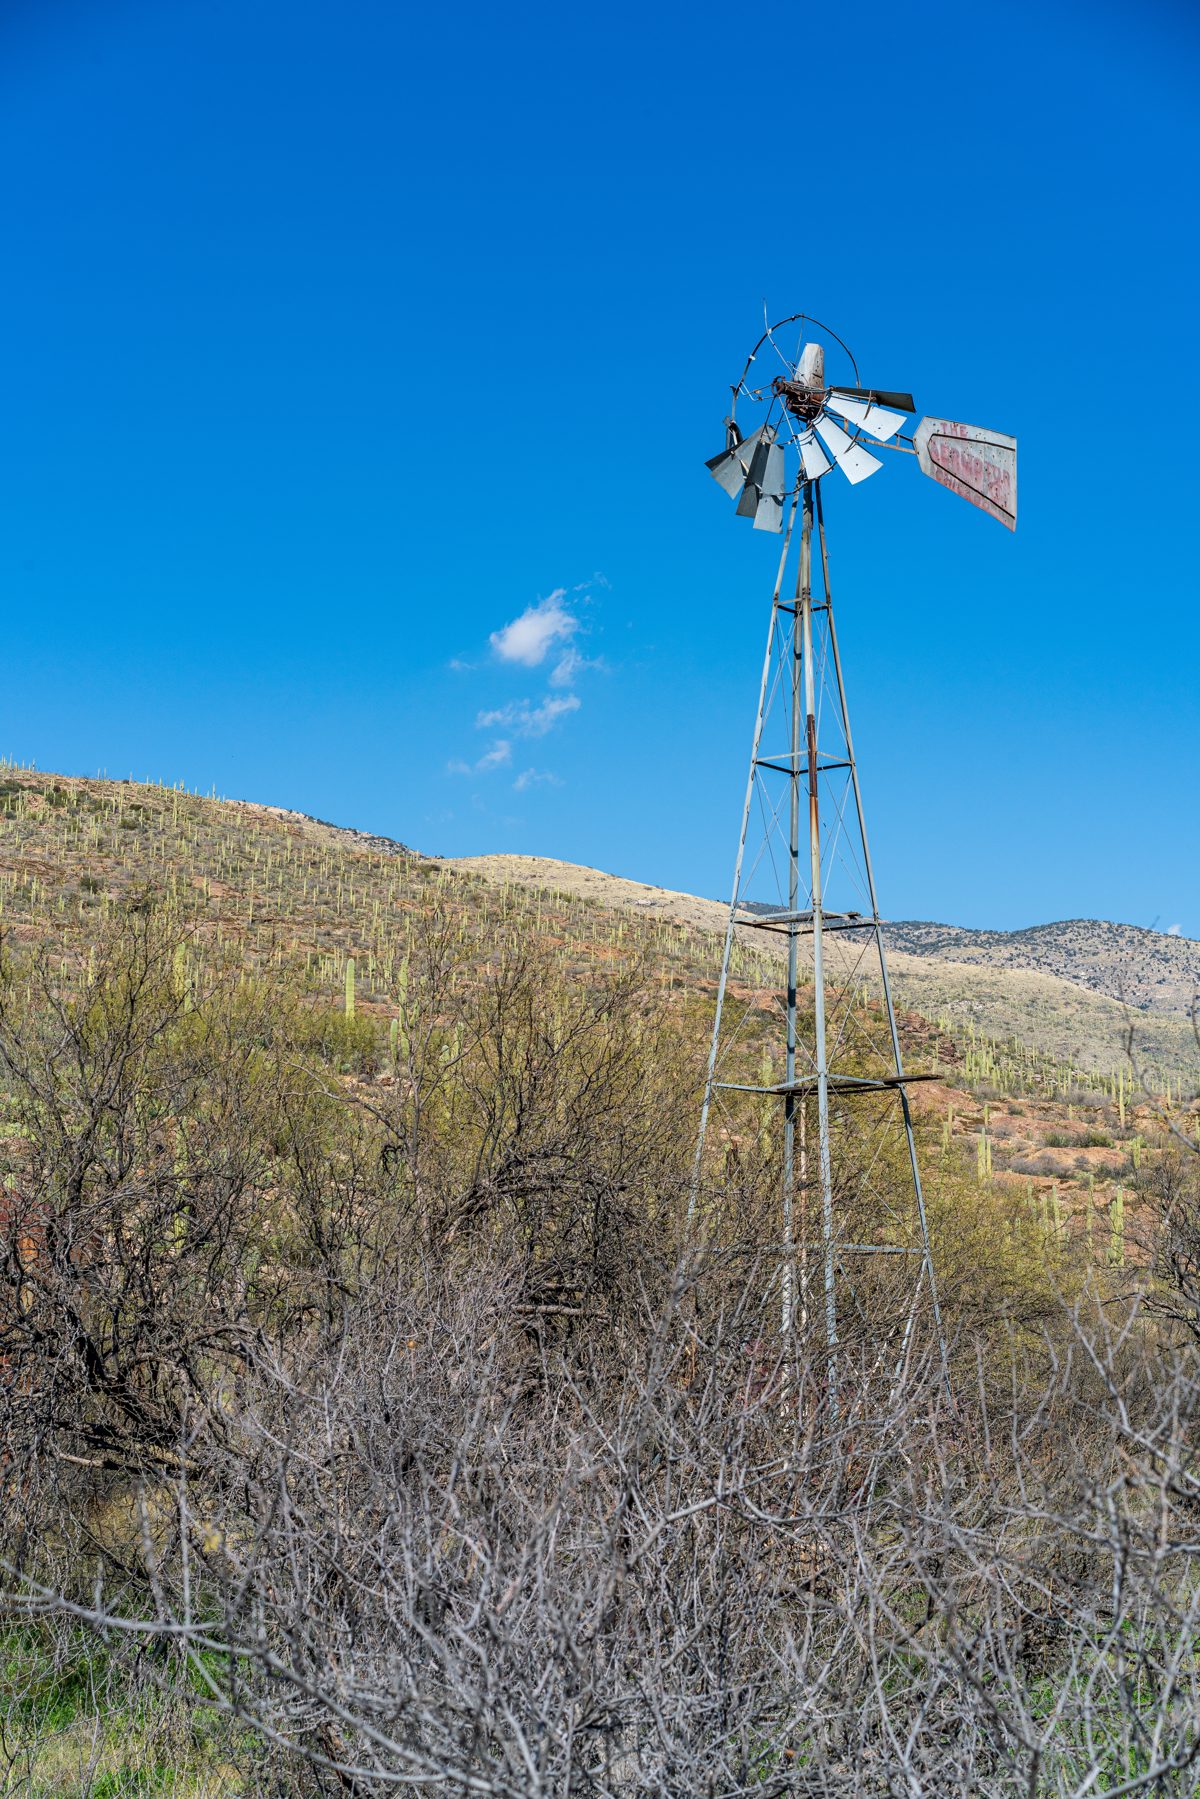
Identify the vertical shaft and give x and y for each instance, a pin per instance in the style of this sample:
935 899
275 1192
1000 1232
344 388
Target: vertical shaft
796 664
927 1272
814 853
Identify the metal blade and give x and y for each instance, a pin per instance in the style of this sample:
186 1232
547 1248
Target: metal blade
815 462
756 479
731 467
977 464
768 515
881 396
855 462
881 423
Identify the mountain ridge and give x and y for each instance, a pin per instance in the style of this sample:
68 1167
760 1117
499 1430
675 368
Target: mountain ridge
1147 970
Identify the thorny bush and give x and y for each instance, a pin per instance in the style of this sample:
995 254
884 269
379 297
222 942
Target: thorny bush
389 1417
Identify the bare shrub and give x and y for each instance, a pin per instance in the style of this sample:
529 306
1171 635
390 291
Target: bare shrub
388 1416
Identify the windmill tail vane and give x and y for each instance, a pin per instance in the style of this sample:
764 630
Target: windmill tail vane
804 883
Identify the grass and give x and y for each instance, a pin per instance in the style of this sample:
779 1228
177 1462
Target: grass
74 1724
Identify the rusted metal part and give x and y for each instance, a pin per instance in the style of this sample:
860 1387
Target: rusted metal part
977 464
805 394
801 401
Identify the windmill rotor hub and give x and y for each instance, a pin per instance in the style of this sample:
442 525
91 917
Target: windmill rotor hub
802 401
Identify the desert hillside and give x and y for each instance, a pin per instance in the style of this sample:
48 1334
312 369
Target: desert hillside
1060 988
1033 1060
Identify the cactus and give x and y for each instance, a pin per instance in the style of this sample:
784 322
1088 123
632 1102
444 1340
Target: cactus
1116 1238
179 976
350 987
1091 1213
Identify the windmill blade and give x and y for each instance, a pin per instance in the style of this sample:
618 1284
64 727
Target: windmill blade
855 462
732 466
881 423
977 464
762 496
748 502
881 396
768 514
812 457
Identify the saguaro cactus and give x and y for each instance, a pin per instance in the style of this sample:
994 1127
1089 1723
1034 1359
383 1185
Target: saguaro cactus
1116 1237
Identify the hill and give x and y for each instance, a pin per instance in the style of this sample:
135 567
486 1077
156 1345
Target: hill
288 885
1028 1057
1062 989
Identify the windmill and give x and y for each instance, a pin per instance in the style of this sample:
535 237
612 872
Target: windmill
847 1161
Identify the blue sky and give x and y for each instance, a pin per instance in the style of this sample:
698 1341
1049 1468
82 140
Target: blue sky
361 361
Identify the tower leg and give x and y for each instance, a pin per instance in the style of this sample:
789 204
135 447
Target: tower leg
706 1104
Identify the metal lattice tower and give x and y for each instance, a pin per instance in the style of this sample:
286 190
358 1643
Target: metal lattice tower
851 1201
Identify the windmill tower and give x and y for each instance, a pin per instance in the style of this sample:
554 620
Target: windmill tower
852 1210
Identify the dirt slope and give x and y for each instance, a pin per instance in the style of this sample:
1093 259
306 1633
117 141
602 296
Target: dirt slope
1056 987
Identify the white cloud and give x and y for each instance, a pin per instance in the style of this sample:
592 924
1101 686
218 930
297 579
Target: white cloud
499 756
535 777
526 720
571 665
528 639
1174 930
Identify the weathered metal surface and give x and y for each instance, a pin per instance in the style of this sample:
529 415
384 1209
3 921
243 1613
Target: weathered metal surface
977 464
755 479
879 421
768 514
810 370
855 462
815 462
731 467
881 396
